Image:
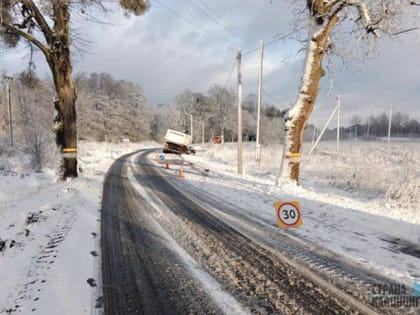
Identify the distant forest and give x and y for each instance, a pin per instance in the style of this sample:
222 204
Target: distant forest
402 126
116 110
377 126
112 110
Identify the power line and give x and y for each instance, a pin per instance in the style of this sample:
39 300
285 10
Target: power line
230 73
186 20
196 7
270 96
214 13
268 44
265 45
179 16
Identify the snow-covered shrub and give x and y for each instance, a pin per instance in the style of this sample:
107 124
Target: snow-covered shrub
13 160
375 169
405 194
405 191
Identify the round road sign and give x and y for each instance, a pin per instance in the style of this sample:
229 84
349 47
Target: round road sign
288 214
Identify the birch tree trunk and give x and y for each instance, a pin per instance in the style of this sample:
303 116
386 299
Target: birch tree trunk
370 17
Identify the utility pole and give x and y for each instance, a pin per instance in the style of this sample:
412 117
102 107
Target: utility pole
338 123
313 135
8 80
323 130
202 133
389 125
191 120
260 77
239 62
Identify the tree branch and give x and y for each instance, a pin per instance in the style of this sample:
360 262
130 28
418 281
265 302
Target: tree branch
28 37
333 3
331 22
39 18
364 15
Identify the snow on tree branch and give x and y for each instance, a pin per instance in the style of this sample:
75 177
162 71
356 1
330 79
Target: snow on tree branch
364 15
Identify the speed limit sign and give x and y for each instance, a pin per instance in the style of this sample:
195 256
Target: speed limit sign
288 214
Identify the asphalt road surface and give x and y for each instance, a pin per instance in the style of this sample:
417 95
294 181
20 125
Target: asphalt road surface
164 251
140 276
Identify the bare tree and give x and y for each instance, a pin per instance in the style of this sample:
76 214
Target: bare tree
355 120
366 19
34 121
272 125
36 137
45 25
186 104
221 103
111 109
163 119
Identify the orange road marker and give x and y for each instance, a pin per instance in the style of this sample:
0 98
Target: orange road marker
181 173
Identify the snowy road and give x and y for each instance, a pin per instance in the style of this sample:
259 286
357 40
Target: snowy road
166 250
187 254
140 274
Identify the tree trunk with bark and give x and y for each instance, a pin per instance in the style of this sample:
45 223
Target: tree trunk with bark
298 116
18 19
65 125
65 103
370 16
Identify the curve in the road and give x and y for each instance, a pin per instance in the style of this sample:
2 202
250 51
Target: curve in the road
139 274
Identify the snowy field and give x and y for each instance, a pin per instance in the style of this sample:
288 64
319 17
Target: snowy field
363 204
357 204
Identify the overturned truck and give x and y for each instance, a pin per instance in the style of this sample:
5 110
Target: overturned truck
178 142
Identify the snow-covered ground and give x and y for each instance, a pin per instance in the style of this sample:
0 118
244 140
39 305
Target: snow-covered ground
355 204
363 204
49 233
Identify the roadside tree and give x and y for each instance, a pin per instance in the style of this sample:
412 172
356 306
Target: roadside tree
329 22
45 25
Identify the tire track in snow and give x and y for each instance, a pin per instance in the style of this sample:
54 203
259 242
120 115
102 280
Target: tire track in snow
259 279
37 275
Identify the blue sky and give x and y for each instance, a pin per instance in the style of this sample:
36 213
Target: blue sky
182 44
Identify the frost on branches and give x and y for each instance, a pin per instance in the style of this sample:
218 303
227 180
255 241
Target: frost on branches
368 18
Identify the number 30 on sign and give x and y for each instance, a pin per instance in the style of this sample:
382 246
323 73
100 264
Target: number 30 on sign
288 214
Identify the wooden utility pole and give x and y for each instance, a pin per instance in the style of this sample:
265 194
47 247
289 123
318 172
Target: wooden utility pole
338 123
9 96
239 62
202 133
191 121
389 125
260 76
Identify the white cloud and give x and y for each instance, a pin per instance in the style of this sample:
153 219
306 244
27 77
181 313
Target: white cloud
167 54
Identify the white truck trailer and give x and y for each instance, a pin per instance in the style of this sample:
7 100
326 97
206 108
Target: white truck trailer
177 142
